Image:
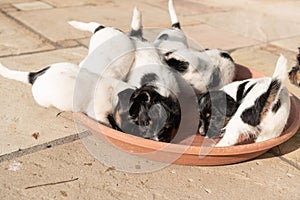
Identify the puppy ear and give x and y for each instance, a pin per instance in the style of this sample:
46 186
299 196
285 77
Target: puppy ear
175 63
124 98
141 96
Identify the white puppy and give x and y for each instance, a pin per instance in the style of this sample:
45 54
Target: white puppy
68 88
111 52
263 109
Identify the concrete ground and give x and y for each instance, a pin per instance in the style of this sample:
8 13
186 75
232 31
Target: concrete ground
41 155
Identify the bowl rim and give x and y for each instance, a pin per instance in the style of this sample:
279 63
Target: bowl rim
194 150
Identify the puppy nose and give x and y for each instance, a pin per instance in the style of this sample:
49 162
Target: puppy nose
144 120
144 123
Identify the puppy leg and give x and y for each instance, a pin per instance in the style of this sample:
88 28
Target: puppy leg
231 135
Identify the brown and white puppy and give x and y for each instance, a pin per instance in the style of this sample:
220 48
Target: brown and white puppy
260 109
294 74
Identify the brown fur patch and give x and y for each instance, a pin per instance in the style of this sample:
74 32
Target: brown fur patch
274 89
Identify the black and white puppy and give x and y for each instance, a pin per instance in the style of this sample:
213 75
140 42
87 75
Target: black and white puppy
294 74
153 110
114 48
68 88
255 109
171 39
203 70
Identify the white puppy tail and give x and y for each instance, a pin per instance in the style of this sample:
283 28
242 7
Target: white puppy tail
15 75
173 15
91 26
136 24
280 72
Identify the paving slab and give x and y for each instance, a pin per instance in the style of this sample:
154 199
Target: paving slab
72 3
187 7
117 15
254 25
283 9
44 173
290 44
35 5
210 37
16 40
3 2
21 117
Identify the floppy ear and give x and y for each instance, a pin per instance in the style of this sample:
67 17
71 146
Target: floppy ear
138 99
124 98
141 96
175 63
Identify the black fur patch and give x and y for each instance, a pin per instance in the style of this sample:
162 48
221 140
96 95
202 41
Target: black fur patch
113 122
215 108
214 79
276 106
226 55
178 65
252 115
153 114
147 78
176 25
240 92
248 90
99 28
137 33
34 75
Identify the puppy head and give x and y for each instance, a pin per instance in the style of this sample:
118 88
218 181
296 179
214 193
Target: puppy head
215 108
294 74
148 114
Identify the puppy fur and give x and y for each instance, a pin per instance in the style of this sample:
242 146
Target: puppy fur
68 88
294 74
115 50
263 108
173 38
156 93
203 70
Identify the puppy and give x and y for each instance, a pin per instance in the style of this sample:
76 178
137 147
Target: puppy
261 108
153 110
173 38
203 70
68 88
115 51
294 74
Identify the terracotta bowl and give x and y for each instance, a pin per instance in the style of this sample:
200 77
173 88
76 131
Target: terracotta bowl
198 152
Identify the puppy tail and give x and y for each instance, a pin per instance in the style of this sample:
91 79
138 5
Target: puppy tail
91 26
15 75
136 24
173 15
280 72
276 85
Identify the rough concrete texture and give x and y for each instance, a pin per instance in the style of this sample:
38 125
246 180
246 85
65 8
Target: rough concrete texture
56 165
